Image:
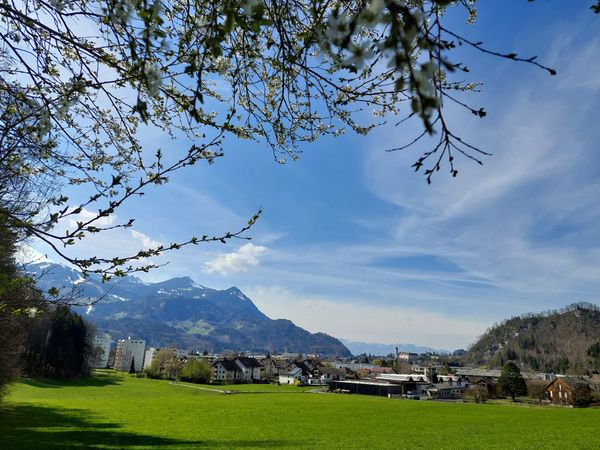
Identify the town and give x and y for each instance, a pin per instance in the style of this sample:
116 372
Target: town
403 375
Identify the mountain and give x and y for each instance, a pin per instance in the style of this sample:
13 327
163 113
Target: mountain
358 348
181 313
553 341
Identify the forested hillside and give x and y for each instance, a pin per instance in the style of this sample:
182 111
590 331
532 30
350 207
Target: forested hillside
560 341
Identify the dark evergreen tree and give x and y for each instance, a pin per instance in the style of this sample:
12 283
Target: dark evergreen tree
511 381
58 346
132 368
594 353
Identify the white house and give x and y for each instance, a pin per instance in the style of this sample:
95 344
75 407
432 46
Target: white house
130 351
291 377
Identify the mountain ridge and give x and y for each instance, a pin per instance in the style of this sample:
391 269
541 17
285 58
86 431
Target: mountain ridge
180 312
379 349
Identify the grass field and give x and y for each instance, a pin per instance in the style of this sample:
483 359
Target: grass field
124 412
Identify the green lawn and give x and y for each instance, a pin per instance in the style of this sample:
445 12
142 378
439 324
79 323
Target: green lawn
124 412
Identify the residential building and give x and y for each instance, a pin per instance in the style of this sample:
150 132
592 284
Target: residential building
272 367
571 391
149 355
226 371
102 343
130 351
250 368
407 357
291 377
443 391
331 374
486 383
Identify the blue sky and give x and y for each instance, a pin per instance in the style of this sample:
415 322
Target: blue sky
353 243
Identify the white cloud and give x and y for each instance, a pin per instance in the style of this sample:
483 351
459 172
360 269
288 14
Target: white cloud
86 215
145 240
239 261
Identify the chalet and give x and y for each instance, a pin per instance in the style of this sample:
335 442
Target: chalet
569 391
486 383
226 371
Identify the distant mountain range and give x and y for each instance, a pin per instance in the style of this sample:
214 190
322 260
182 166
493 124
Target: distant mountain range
181 313
358 348
560 341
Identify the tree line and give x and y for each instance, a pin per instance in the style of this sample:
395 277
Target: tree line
37 338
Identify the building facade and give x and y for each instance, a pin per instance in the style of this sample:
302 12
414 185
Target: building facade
102 343
129 351
569 391
226 371
250 368
148 356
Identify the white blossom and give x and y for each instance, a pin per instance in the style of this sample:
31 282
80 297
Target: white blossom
153 79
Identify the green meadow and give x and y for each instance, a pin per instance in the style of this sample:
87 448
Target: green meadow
114 411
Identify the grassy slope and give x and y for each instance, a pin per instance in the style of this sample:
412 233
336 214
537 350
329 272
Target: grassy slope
124 412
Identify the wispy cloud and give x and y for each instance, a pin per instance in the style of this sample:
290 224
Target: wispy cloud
145 241
528 220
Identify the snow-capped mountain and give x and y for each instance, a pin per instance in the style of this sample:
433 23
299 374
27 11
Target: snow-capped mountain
179 312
